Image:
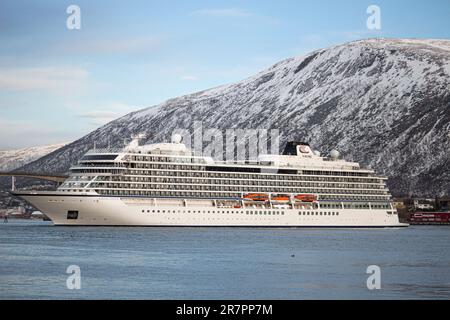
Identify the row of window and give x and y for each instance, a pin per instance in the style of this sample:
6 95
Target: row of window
174 170
237 177
248 212
83 164
353 197
165 159
335 173
172 163
243 189
213 194
320 213
238 182
163 166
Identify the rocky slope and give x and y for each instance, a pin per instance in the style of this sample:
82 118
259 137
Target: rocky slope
13 159
384 103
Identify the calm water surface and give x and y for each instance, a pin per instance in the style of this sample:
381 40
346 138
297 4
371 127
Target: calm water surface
222 263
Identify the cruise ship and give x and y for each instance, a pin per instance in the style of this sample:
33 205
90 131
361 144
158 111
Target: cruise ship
166 184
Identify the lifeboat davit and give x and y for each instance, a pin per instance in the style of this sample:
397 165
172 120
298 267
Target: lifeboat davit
306 197
256 196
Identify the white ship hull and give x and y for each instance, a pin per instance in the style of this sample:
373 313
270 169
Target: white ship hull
116 211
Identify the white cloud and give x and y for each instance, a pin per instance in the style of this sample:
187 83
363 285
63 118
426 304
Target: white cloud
224 12
99 117
104 115
57 79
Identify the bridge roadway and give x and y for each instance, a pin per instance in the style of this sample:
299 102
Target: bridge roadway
47 177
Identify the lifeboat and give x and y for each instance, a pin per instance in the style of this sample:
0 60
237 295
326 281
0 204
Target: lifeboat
256 196
280 198
305 197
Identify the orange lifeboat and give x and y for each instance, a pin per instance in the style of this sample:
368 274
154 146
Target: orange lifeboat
306 197
256 196
280 197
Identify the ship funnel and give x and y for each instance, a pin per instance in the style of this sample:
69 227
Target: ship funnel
294 148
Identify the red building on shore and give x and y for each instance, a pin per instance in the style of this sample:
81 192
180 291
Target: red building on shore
429 218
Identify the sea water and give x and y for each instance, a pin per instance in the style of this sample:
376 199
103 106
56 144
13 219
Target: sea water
37 261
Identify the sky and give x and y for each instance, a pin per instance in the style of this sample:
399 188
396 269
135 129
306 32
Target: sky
58 84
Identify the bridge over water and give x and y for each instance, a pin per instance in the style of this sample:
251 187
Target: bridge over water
47 177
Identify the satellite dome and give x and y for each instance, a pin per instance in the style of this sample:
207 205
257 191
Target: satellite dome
334 154
177 138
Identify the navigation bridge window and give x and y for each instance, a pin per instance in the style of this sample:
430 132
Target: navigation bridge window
100 157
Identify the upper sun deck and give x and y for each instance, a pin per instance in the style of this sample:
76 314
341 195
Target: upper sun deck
296 155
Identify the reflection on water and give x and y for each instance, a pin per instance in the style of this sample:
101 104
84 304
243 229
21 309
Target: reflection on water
222 263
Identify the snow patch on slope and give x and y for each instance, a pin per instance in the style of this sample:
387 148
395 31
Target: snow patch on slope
13 159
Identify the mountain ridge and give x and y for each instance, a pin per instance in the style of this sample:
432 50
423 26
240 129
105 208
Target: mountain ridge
13 159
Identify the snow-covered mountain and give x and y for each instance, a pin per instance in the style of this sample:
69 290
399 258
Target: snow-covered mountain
384 103
13 159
